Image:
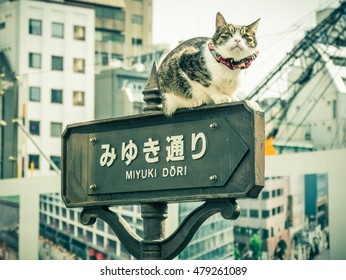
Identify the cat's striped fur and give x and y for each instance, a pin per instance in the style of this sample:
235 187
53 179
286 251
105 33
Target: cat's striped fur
189 76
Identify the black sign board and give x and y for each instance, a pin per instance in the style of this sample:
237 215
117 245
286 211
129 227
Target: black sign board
209 152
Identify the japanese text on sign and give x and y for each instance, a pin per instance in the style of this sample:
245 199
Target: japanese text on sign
173 151
151 149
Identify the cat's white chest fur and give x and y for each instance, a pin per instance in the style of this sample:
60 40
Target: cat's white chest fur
224 81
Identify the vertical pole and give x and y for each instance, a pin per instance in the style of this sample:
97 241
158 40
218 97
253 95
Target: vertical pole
153 214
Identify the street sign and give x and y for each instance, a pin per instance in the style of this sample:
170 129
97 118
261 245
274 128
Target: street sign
210 152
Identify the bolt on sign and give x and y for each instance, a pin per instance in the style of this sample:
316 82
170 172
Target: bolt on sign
210 152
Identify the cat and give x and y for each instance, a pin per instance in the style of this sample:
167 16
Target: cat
205 70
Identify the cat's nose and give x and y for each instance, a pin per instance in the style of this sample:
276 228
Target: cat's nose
237 41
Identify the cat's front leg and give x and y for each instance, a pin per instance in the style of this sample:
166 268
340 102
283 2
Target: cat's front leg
219 98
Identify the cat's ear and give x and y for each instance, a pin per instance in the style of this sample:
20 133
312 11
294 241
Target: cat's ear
253 26
220 20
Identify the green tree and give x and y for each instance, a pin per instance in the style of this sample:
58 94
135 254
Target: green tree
255 245
237 255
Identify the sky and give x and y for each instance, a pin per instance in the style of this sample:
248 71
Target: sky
282 23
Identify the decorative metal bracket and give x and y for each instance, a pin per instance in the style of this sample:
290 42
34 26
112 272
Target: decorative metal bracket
153 246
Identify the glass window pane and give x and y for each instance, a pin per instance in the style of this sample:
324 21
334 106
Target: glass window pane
35 94
34 162
78 98
79 32
57 30
55 129
137 41
35 26
78 65
138 19
35 60
57 63
56 96
253 213
34 127
56 160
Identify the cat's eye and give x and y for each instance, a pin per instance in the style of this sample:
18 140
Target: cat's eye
225 36
247 37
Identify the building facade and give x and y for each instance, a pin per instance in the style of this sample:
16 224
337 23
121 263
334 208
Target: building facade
123 30
119 92
50 48
266 217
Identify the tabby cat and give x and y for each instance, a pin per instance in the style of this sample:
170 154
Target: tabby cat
207 70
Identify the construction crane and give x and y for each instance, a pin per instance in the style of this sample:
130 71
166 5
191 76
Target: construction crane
306 57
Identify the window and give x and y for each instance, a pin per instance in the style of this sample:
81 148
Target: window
79 33
78 65
72 215
100 224
138 19
112 245
34 127
80 232
34 162
57 63
35 94
265 214
243 212
56 160
137 41
273 193
35 26
99 240
265 195
56 96
265 233
35 60
57 30
273 211
55 129
78 98
89 236
106 36
109 12
253 213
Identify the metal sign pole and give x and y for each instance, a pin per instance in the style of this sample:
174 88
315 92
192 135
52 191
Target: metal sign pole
153 214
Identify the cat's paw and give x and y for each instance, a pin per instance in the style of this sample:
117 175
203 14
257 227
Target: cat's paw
195 103
223 99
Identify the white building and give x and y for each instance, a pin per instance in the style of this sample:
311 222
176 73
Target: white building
316 117
266 217
50 47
